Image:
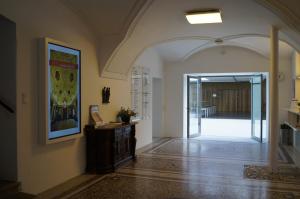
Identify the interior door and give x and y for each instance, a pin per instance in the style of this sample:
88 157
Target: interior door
194 104
8 116
256 107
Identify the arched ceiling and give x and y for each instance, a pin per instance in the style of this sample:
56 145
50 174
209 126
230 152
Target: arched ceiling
125 28
106 17
180 50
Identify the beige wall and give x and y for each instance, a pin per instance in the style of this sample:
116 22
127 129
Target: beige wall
296 72
41 167
214 60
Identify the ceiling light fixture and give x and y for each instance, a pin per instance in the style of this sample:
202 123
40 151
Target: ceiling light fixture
204 17
204 79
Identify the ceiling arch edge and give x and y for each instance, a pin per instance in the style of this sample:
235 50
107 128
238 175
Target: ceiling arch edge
229 41
110 48
283 12
227 44
278 8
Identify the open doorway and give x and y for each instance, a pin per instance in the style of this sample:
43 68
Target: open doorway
227 106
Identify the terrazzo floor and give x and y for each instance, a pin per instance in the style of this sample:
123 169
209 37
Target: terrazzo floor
188 169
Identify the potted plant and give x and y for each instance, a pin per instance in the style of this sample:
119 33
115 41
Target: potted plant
125 115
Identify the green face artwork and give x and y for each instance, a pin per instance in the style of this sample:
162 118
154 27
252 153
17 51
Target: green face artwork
64 90
63 80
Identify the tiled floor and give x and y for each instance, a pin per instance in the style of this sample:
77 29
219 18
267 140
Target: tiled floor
220 127
184 169
225 125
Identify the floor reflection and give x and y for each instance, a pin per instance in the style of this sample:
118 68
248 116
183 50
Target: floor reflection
190 169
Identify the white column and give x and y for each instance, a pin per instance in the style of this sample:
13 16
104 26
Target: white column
274 105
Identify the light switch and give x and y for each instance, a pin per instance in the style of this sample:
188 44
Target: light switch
24 98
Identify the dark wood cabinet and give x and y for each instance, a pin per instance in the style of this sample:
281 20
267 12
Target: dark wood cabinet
109 146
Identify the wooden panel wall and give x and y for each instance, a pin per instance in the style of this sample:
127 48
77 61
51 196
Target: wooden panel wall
230 97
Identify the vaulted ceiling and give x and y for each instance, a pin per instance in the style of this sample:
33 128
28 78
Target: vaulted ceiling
106 17
124 28
180 50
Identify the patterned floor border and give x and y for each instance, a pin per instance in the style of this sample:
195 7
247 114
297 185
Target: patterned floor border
91 191
78 188
285 174
283 154
211 180
278 189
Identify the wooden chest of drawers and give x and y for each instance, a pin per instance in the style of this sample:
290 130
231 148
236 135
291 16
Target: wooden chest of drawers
108 147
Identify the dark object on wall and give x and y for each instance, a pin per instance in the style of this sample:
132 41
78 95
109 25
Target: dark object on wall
109 146
105 95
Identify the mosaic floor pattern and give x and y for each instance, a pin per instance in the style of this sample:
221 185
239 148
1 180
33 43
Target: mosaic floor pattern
190 169
120 186
285 174
216 149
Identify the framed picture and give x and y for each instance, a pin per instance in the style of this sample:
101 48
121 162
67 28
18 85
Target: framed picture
60 92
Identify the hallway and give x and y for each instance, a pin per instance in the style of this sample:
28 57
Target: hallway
238 128
180 168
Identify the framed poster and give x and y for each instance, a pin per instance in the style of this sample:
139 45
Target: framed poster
61 91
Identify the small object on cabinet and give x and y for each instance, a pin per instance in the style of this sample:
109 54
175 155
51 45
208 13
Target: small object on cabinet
125 115
294 104
95 118
105 95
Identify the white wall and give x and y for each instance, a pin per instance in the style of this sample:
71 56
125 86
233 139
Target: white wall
285 87
41 167
157 97
214 60
149 58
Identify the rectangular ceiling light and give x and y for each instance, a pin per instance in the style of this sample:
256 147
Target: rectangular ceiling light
203 17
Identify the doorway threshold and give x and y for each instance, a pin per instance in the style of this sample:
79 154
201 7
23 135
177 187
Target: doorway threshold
225 138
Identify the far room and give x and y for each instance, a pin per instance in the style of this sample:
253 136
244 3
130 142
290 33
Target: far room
227 106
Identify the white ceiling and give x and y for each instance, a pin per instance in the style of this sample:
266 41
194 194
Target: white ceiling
105 17
180 50
125 28
177 50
